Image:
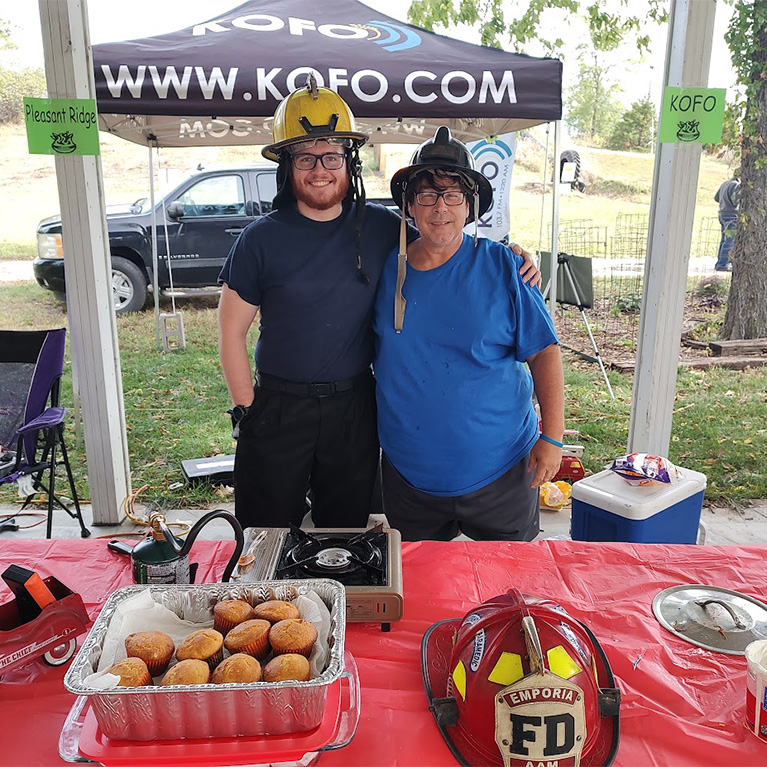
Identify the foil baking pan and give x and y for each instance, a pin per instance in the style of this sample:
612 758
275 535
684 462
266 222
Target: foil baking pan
211 711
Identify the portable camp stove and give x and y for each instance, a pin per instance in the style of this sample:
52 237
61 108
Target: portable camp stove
367 562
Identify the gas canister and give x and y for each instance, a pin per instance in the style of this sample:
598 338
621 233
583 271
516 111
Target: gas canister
155 560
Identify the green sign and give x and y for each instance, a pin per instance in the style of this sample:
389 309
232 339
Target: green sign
692 116
61 126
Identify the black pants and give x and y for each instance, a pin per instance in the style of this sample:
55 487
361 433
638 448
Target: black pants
290 444
504 510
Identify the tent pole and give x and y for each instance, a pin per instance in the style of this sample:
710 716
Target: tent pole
155 279
543 187
554 225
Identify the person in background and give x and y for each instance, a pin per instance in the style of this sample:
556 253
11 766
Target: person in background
455 328
728 197
309 270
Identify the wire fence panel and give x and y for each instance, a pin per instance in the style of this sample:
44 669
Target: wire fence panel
618 275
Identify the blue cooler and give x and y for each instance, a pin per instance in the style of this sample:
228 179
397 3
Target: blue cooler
607 508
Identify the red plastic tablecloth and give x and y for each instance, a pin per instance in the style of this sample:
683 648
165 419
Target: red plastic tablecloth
681 705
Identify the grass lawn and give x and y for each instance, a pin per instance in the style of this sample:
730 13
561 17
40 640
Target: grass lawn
175 408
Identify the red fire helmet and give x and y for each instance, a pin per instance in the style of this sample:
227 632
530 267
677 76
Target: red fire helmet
518 682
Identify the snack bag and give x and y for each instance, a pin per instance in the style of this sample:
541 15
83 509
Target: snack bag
645 469
555 495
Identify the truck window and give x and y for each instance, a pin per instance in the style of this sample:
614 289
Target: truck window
215 196
267 188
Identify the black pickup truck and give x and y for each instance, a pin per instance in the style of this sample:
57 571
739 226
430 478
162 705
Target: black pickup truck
203 215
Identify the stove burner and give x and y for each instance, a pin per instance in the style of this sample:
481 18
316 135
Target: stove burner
333 557
353 558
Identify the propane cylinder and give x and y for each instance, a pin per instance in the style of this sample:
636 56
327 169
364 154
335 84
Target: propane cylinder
154 558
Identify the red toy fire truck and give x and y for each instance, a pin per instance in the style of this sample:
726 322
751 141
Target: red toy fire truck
51 633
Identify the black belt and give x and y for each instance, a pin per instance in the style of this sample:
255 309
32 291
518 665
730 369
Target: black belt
328 389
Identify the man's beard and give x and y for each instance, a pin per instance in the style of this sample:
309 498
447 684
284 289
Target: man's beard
322 198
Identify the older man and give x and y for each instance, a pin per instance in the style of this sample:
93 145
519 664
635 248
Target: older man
455 326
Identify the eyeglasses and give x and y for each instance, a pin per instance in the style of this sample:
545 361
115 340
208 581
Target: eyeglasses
451 197
330 161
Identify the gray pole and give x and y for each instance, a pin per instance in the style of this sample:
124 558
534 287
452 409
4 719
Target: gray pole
675 182
90 307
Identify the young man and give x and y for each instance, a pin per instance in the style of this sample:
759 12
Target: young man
462 448
311 267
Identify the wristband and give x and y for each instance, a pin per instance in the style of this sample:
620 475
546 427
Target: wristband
551 441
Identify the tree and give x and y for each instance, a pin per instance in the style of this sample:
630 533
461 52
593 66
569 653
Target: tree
634 131
5 36
14 86
609 23
746 37
591 108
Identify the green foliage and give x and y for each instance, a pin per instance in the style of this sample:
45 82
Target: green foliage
745 39
732 127
592 111
609 23
628 304
634 131
14 86
5 36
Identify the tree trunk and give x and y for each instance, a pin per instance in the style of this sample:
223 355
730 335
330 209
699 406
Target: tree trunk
747 303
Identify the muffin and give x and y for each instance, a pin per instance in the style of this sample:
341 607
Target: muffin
250 637
287 667
294 635
229 612
155 648
133 672
237 669
276 610
204 644
190 671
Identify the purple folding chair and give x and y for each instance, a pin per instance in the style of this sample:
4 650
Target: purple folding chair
31 421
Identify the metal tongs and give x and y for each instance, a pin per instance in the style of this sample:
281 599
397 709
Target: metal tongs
248 559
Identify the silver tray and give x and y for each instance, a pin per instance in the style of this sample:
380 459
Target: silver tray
210 711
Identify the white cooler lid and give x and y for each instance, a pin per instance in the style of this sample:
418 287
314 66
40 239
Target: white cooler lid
612 493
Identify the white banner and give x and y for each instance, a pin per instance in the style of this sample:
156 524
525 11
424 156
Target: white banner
495 160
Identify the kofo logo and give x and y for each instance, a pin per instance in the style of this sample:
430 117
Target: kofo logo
493 151
391 37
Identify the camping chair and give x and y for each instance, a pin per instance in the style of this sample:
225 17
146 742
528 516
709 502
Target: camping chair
31 421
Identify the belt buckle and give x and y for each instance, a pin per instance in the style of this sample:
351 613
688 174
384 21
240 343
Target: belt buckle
321 389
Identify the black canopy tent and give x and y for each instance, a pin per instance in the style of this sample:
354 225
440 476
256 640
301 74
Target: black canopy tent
219 82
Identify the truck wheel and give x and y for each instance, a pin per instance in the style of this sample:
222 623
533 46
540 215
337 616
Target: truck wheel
128 286
60 654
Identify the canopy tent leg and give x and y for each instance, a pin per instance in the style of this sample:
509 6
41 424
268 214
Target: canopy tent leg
554 224
155 260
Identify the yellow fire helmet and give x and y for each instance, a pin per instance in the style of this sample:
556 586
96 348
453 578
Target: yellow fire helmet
310 113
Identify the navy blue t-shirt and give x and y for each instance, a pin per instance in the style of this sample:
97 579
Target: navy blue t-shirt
316 314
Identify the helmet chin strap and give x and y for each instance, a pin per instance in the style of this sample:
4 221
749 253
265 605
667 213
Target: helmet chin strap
399 298
476 214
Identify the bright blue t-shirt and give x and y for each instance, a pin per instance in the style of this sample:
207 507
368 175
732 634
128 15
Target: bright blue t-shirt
454 395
